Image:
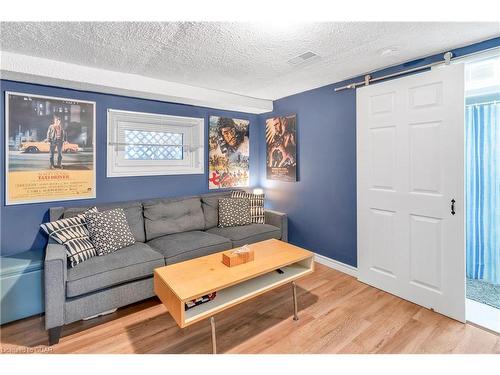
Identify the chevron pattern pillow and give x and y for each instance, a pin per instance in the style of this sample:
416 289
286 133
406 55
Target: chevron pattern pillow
256 205
74 235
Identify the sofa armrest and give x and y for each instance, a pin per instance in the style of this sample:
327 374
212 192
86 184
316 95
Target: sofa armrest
278 219
55 274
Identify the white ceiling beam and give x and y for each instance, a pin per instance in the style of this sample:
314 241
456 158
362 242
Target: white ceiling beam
38 70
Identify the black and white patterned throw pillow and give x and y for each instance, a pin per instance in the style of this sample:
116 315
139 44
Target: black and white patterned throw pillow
234 212
73 234
256 205
109 230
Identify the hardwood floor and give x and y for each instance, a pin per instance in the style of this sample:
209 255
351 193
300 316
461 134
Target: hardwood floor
337 314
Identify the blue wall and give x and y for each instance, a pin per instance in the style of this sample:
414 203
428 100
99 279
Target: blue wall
20 224
321 206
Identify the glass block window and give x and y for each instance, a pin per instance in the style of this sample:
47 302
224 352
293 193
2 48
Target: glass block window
149 144
153 145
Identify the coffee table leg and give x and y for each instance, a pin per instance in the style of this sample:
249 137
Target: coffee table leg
294 290
214 342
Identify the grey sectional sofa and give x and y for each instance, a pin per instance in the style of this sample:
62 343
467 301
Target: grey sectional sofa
166 231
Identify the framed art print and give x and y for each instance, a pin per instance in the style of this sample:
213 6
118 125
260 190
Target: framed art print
50 149
229 153
281 148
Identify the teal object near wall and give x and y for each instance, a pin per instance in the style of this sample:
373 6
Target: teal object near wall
21 285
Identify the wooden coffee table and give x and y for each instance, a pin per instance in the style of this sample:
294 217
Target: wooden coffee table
182 282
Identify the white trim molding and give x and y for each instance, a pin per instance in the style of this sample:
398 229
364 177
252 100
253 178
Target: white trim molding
336 265
42 71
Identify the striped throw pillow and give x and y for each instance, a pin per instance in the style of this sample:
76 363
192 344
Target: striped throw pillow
74 235
256 205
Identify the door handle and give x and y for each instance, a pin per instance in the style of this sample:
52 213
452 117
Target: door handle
453 206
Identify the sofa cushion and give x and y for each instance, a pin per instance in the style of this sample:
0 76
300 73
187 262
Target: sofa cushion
210 206
256 205
109 230
246 234
169 216
234 212
124 265
187 245
72 232
133 213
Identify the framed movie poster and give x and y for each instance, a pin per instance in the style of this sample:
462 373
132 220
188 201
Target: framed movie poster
50 149
229 151
281 148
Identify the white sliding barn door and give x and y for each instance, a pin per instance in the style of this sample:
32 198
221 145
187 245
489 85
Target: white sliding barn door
410 147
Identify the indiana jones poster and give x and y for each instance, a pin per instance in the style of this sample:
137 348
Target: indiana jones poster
281 147
50 153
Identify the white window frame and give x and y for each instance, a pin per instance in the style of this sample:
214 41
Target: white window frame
192 129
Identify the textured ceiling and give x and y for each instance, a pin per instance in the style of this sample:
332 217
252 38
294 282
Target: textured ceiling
244 58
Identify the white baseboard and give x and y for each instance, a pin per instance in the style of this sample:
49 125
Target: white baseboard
336 265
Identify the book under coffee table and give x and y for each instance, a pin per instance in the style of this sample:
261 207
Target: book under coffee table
182 282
